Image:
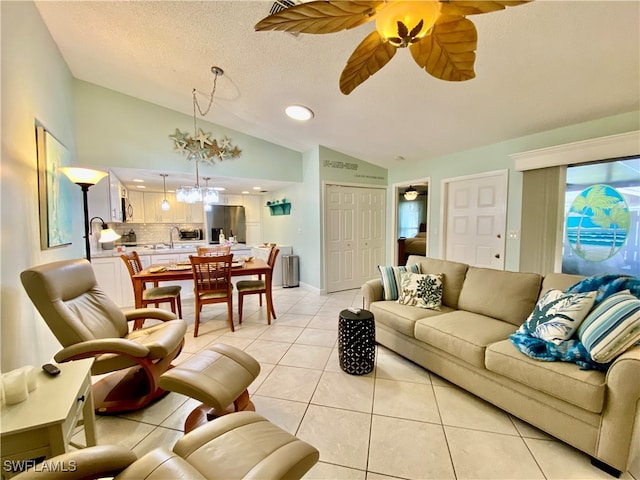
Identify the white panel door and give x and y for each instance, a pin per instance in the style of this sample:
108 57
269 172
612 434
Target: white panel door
354 222
476 220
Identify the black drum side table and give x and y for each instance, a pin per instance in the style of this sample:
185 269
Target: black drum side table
356 342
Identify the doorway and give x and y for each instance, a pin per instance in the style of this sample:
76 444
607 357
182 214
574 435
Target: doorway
411 219
354 235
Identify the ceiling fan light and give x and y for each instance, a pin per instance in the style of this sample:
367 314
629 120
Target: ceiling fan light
409 14
410 194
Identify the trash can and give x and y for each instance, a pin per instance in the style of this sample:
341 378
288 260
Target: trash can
290 271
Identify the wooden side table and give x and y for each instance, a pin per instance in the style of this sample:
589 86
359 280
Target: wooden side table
42 426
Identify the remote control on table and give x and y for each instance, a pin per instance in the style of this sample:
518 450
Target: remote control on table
51 369
354 310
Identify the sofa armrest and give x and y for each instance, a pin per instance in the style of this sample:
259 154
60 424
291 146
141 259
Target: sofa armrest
371 292
621 407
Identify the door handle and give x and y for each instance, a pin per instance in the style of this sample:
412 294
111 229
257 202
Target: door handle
499 235
497 255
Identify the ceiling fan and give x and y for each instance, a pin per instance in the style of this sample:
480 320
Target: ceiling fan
440 37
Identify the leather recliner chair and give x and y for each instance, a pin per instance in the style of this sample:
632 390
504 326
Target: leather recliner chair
88 324
236 446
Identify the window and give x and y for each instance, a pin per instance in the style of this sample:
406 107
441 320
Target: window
602 208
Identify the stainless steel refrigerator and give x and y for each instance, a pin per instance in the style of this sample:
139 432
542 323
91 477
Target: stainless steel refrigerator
230 219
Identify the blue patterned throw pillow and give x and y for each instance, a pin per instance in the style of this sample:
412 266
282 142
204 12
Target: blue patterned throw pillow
391 279
612 327
557 315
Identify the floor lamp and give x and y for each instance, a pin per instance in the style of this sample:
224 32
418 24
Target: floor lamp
86 178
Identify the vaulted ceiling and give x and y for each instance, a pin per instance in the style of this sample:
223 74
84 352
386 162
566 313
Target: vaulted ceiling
539 66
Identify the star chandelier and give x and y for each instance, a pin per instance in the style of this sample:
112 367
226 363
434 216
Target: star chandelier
201 147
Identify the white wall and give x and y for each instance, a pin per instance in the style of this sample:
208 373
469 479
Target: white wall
36 86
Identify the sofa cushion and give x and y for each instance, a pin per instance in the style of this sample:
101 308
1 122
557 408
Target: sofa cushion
583 388
401 318
557 315
507 296
462 334
421 290
390 277
452 280
612 327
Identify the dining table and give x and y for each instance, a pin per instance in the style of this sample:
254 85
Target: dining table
182 271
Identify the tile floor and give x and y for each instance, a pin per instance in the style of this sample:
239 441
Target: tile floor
399 422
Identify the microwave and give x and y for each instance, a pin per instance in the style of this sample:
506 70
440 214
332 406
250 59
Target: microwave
191 234
127 209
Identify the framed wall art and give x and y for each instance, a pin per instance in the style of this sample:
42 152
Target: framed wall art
54 191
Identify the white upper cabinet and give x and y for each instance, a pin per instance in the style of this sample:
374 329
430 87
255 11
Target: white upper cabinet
252 209
136 202
105 199
229 199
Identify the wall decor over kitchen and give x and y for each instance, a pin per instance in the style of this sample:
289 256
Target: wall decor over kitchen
200 147
54 191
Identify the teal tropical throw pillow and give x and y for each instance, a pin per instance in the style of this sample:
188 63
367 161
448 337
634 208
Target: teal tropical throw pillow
612 327
423 291
391 279
557 315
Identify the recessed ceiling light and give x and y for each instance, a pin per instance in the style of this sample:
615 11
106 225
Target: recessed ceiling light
219 189
257 188
299 112
245 192
141 186
138 180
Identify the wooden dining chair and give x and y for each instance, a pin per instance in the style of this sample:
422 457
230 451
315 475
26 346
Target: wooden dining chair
153 295
259 286
212 284
214 250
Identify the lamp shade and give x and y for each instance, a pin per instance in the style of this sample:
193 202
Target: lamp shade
108 235
86 176
409 14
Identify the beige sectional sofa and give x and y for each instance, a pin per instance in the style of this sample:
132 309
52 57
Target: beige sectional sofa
467 343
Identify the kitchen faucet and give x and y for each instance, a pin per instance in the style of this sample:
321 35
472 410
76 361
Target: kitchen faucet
171 234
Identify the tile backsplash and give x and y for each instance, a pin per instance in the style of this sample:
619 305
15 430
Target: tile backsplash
148 233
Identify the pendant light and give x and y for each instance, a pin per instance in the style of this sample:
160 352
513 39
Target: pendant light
165 203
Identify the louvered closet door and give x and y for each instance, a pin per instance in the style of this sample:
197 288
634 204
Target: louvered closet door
354 224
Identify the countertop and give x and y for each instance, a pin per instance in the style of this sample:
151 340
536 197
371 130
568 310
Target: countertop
153 249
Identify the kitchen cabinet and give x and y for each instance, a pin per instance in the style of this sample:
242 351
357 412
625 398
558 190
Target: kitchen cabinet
230 199
252 208
136 202
254 234
153 213
104 199
116 193
187 213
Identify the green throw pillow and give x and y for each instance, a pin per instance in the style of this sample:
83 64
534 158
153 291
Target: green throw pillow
391 279
424 291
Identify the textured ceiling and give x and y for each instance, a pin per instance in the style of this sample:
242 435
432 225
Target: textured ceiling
539 66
